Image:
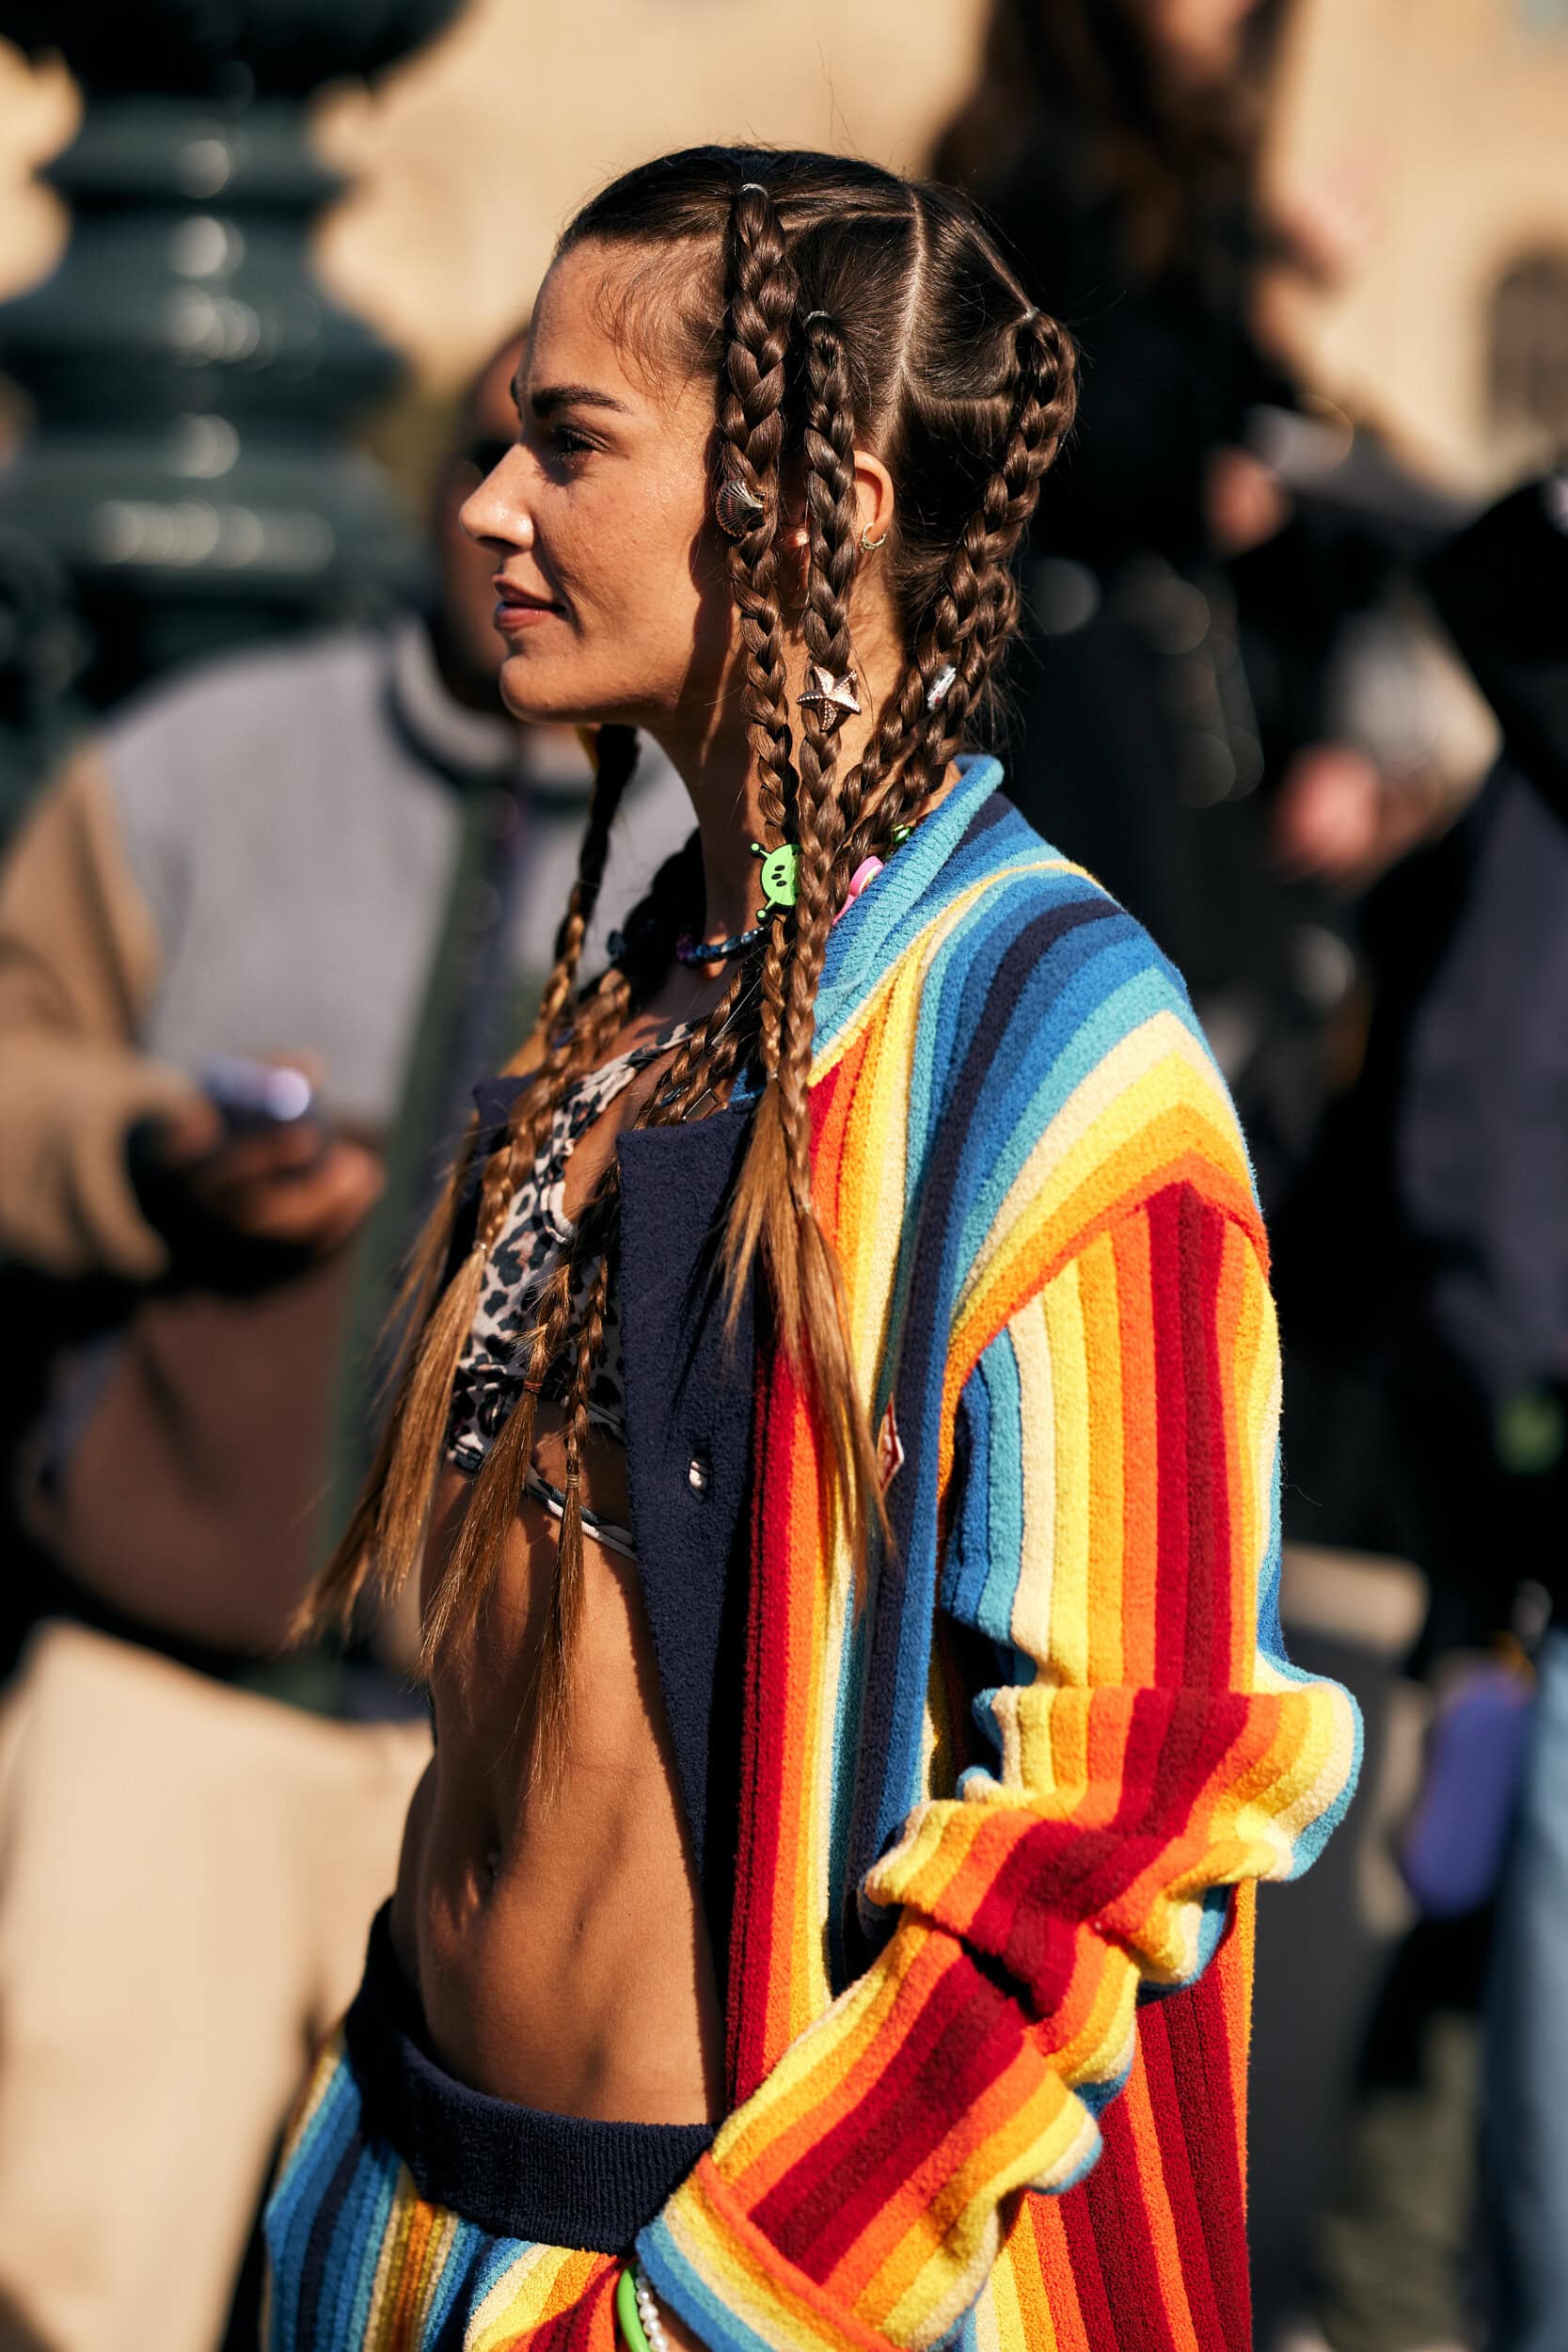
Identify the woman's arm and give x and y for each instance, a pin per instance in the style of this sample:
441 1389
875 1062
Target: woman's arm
1115 1536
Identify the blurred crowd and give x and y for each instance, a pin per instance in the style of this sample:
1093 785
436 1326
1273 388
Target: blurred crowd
268 918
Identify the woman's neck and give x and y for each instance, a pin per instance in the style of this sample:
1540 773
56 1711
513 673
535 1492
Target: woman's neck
724 781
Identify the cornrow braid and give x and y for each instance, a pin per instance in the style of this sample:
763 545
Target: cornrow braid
762 302
976 604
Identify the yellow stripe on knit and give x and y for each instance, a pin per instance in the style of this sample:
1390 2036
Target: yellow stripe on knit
520 2298
1067 1650
388 2267
1100 1307
1031 1610
915 960
922 2290
1155 1069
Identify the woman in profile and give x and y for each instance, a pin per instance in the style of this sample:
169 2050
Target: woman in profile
838 1445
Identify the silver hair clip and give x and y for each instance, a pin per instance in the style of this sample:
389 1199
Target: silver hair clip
753 187
834 699
819 315
737 510
940 686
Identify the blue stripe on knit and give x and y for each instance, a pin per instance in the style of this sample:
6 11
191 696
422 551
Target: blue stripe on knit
316 2151
1006 964
993 1610
689 2296
1108 989
314 2174
445 2321
356 2243
963 1576
914 886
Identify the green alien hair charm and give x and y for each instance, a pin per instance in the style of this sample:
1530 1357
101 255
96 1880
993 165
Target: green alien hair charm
780 877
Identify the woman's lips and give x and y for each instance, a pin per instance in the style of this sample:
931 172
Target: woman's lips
512 616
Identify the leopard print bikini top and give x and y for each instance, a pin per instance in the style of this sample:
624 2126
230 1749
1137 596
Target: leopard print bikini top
533 1239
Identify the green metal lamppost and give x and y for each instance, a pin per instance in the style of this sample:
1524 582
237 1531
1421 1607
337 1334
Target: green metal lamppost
189 376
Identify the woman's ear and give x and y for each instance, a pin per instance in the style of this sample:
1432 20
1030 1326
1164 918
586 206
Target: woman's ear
874 496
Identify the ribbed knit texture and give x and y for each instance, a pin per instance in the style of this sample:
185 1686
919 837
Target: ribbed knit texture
1000 1790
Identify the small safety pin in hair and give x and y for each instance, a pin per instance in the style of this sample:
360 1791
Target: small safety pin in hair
940 686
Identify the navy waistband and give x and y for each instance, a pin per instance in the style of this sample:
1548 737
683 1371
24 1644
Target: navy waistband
556 2180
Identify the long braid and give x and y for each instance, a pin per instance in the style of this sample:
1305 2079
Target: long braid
763 298
385 1529
812 1316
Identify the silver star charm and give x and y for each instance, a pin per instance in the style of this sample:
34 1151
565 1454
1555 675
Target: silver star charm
834 699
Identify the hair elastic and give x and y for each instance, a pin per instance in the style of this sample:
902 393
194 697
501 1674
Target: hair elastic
754 186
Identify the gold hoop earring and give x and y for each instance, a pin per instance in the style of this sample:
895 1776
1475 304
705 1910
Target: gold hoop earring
868 545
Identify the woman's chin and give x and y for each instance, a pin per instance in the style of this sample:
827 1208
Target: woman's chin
536 699
531 695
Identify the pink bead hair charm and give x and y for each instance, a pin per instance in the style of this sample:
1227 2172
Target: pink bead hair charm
867 870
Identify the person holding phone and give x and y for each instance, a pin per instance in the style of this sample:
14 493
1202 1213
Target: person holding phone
340 855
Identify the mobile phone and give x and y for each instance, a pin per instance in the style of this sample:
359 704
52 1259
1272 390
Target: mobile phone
253 1096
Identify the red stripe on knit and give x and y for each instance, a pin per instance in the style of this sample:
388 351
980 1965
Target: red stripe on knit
773 1711
764 1729
1209 1600
588 2323
1119 2214
965 2035
1195 2087
1088 2274
1169 1273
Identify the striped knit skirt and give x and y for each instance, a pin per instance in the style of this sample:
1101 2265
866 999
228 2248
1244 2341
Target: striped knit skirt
411 2213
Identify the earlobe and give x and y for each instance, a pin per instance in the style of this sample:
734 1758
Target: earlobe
874 496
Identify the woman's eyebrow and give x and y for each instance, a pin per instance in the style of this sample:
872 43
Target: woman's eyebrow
551 397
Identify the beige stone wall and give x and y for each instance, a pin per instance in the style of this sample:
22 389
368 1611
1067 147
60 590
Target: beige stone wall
1446 122
1442 119
473 156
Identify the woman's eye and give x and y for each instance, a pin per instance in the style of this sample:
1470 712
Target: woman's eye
569 442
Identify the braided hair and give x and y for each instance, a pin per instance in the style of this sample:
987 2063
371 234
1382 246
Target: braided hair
836 307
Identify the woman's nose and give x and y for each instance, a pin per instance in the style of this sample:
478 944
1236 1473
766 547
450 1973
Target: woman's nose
497 512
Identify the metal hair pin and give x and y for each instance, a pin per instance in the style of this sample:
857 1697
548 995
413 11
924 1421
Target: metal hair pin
940 686
834 699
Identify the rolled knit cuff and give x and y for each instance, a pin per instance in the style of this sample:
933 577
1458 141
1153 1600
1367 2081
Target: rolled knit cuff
710 2262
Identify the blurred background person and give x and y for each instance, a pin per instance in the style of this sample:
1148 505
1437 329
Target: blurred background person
1178 727
341 854
1443 1172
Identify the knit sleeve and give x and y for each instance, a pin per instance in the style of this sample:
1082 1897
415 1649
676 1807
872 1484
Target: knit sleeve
1114 1537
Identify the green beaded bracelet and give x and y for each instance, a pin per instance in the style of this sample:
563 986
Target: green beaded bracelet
628 2315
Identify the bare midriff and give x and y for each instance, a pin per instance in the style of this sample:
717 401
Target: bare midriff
556 1940
558 1943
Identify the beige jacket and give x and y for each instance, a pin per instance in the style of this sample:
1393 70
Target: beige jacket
79 958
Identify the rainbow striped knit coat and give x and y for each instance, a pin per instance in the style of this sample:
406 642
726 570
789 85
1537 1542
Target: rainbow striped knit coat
1057 1281
1005 1791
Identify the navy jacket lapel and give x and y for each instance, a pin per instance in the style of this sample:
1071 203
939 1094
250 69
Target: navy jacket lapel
688 1416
